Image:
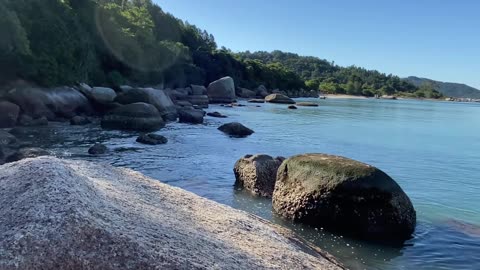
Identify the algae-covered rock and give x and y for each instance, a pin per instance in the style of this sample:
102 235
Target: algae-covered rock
343 194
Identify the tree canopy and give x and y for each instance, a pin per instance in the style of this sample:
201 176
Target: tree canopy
332 79
114 42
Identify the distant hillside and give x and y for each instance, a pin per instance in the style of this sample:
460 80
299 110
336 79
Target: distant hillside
333 79
446 88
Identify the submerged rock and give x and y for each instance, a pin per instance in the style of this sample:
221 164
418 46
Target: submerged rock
137 116
292 107
7 138
344 195
27 153
307 104
79 121
257 174
98 149
61 214
256 100
152 139
236 130
216 114
122 149
221 91
27 121
279 98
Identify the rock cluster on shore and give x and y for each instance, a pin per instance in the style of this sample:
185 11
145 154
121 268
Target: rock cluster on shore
25 105
60 214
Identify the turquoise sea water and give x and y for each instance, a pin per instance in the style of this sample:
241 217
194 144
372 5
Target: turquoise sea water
432 149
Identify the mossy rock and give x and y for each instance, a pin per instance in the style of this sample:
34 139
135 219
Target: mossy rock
344 195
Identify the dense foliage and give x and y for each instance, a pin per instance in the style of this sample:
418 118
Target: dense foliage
114 42
446 88
333 79
111 42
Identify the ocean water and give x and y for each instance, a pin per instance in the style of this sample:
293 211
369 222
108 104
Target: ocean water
432 149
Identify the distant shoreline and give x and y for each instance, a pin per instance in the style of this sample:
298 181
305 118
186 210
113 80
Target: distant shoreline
340 96
343 96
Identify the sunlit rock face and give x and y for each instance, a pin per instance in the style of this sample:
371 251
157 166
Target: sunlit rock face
221 91
60 214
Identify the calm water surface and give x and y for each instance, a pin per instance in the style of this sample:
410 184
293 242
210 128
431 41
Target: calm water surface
432 149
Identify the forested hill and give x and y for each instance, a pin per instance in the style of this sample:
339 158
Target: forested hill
447 89
331 78
114 42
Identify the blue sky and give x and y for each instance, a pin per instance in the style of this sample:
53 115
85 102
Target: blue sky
426 38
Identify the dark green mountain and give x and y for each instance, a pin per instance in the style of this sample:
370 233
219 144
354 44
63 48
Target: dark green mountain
446 88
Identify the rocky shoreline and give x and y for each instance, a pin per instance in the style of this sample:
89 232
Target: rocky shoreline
314 189
126 108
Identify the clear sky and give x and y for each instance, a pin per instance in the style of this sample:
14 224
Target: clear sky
426 38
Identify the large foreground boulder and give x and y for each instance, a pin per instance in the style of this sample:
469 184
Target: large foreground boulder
155 97
8 114
60 214
279 98
257 174
221 91
235 129
345 195
137 116
54 103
